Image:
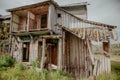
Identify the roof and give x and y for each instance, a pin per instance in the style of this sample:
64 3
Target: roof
5 17
32 5
95 33
75 4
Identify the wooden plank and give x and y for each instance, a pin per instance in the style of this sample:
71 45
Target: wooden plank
64 48
43 53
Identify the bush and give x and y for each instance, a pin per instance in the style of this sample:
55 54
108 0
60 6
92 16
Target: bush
20 66
6 61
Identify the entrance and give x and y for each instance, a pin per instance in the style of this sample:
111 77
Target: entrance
26 51
52 45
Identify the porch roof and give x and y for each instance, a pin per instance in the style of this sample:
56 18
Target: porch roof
92 33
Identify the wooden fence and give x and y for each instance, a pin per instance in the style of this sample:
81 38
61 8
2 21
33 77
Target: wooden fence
102 65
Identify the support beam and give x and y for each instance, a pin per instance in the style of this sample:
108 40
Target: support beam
43 53
60 54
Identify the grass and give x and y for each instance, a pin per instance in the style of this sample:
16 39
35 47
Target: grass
18 71
32 74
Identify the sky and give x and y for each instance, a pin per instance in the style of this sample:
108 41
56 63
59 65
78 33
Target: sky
105 11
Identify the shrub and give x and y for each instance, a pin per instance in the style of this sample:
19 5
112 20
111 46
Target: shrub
6 61
20 66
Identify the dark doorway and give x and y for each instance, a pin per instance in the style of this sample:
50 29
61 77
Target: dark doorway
26 51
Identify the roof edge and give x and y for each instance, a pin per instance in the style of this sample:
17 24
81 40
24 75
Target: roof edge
75 4
31 5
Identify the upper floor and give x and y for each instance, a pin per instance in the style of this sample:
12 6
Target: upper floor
45 15
40 16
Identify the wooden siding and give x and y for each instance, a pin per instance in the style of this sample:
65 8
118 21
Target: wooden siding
16 51
71 21
52 20
79 11
76 57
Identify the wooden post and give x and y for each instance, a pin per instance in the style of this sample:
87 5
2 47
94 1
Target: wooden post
43 53
28 20
106 48
60 54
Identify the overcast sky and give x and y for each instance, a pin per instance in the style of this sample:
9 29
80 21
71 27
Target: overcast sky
105 11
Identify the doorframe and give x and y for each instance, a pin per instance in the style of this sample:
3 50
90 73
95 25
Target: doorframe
27 51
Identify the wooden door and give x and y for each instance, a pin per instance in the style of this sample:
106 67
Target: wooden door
52 54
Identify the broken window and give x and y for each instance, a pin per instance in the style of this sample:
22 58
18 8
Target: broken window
44 21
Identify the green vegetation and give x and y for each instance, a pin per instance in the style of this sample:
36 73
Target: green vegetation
4 37
9 70
4 31
6 61
31 74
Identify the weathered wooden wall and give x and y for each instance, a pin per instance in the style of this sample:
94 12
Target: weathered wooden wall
52 19
76 58
33 54
79 11
16 50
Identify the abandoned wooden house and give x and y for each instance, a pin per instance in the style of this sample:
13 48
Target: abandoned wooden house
55 34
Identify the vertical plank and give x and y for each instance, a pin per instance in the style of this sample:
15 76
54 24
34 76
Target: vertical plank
64 44
43 53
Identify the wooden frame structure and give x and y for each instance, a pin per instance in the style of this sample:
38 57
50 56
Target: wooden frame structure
71 36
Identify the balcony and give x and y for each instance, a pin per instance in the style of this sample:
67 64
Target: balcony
30 20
